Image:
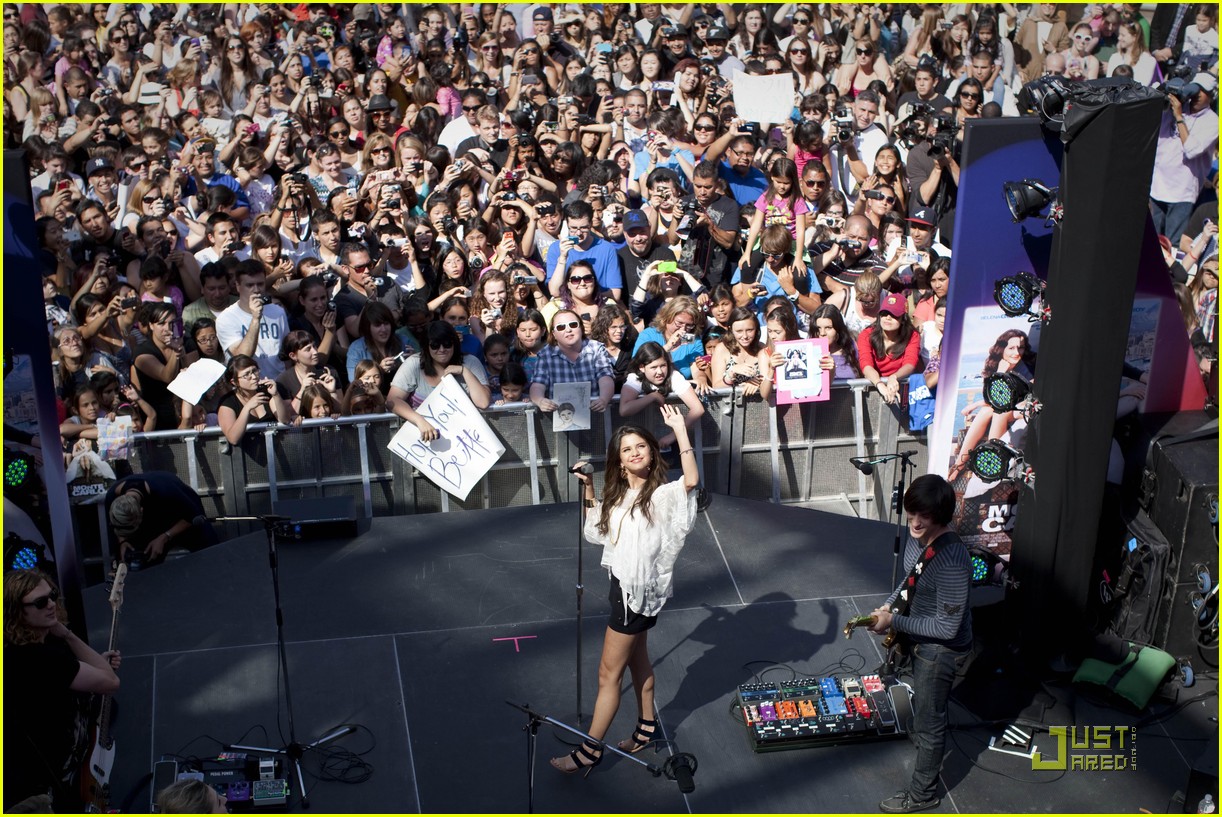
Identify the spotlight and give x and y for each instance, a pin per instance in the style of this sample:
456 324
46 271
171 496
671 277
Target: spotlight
1016 294
994 460
1026 199
1046 98
1006 391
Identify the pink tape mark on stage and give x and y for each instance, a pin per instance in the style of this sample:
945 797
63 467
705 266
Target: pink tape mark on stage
514 639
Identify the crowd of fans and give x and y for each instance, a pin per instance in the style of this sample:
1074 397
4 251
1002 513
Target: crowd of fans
345 203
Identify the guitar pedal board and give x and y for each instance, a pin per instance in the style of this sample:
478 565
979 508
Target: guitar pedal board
804 712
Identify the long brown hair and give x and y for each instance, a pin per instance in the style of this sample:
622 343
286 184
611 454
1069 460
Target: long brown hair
17 585
615 481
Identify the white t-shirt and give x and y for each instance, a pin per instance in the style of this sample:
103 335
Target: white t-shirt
410 378
455 133
231 328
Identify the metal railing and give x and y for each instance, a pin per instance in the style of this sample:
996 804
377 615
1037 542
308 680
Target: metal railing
745 447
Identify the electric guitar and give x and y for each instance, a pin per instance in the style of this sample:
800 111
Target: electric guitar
892 643
95 778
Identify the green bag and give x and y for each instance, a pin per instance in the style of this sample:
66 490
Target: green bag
1135 679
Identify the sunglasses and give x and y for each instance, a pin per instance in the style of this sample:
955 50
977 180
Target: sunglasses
530 52
471 108
560 327
705 127
149 199
814 182
339 133
136 165
380 114
42 602
865 51
801 21
119 37
799 51
491 48
238 47
774 255
969 95
1082 37
581 279
376 151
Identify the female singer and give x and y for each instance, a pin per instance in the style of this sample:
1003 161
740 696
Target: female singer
641 523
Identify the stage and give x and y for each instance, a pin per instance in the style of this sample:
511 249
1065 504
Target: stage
420 629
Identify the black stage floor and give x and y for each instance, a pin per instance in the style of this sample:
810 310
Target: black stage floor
422 628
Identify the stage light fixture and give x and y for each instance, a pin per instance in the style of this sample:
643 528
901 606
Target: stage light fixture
18 470
994 460
1028 198
1006 391
22 554
988 569
1017 293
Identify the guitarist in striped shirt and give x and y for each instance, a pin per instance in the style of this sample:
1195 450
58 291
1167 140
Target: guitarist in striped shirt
929 613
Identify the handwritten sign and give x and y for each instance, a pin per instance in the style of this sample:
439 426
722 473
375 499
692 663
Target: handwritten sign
802 379
466 448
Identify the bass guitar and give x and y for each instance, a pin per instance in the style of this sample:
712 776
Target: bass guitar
95 777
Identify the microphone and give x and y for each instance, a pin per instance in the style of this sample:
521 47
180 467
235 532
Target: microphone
271 517
680 768
585 468
864 466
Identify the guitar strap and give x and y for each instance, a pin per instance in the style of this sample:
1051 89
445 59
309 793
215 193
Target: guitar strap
904 600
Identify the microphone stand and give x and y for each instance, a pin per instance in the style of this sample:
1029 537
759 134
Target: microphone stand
897 499
580 590
293 751
678 767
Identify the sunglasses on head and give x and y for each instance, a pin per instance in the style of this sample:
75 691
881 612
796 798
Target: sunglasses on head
560 327
42 602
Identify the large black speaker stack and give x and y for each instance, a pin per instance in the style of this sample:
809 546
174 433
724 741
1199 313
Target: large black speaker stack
1179 491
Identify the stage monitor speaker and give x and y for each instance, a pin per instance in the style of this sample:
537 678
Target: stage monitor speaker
1180 493
329 517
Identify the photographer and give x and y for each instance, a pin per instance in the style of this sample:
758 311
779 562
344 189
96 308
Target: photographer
932 169
254 399
755 283
844 259
1187 139
855 140
745 181
925 99
360 286
710 238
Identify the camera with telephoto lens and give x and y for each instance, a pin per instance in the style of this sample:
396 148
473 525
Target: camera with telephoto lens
448 224
843 120
688 208
944 140
1179 85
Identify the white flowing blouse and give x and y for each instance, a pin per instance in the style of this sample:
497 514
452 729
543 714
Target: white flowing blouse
641 553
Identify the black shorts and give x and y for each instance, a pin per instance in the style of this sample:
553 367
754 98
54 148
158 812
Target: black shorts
632 623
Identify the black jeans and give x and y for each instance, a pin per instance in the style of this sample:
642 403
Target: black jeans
933 668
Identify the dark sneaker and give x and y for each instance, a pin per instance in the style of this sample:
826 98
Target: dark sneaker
902 803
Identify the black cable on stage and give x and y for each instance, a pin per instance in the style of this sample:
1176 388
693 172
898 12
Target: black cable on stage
950 733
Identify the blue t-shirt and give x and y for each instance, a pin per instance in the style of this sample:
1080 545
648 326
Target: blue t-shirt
641 161
601 255
773 287
683 357
744 189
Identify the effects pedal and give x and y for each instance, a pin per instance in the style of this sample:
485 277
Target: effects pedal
269 792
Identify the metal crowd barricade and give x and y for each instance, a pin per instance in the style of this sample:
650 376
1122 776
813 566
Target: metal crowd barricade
795 453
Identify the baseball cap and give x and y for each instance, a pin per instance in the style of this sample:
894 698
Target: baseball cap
97 165
635 220
924 215
1208 82
717 33
893 305
542 13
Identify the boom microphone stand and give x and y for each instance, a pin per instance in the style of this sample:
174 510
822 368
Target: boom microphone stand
866 466
294 751
679 767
